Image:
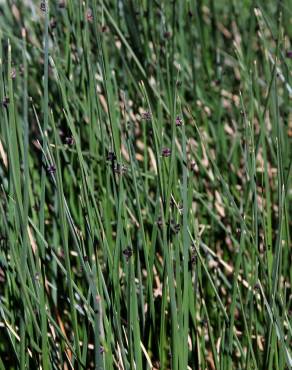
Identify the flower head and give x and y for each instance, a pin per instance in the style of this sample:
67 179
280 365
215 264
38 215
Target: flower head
178 121
5 102
51 169
53 23
167 35
166 152
62 4
43 6
128 252
13 73
69 140
89 15
146 116
111 156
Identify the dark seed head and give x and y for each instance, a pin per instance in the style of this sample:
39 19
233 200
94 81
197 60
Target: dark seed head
21 70
53 23
104 28
167 35
176 228
159 221
146 116
289 54
36 207
178 121
111 156
2 275
127 253
69 140
5 102
13 73
120 169
51 169
166 152
43 6
204 322
89 15
257 286
62 4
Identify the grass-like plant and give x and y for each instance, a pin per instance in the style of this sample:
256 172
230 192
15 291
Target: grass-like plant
145 166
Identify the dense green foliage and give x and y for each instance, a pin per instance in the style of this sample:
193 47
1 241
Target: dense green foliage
145 166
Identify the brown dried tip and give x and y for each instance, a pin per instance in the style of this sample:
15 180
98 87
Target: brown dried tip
166 152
